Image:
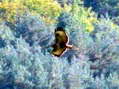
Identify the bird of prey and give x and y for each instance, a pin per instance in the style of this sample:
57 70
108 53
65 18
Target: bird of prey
61 42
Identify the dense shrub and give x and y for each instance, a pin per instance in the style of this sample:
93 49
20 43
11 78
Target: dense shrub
103 7
49 9
6 35
9 10
84 16
104 53
34 30
28 68
100 46
26 61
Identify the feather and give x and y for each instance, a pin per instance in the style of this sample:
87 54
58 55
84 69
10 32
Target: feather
61 42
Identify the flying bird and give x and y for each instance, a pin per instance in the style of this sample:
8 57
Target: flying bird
61 42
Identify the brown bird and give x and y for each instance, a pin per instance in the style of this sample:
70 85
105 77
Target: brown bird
61 42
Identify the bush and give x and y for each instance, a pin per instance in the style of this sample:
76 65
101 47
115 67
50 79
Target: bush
100 46
26 61
9 10
104 53
27 68
103 7
33 29
6 35
84 16
49 9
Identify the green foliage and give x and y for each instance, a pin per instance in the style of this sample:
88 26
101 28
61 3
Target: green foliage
27 67
26 61
33 29
9 10
84 16
6 33
49 9
103 7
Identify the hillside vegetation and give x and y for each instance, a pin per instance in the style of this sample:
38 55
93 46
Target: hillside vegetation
27 31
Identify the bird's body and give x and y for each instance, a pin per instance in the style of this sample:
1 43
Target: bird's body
61 42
